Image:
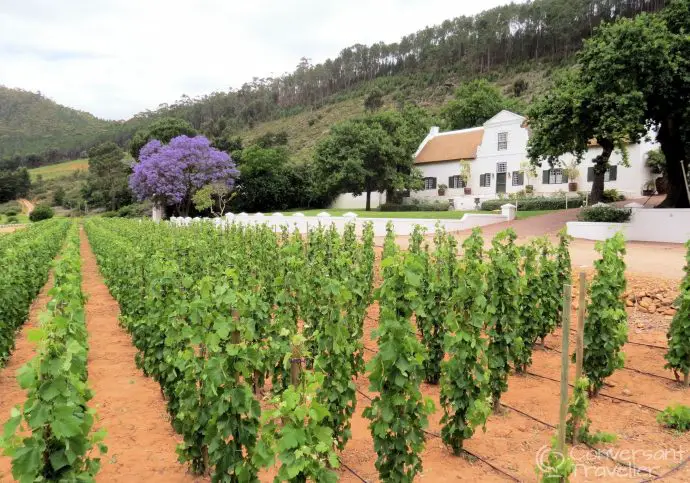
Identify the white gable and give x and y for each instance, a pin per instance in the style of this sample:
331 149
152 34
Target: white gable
505 117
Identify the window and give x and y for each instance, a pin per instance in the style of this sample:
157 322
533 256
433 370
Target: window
610 175
502 141
518 178
554 176
502 167
485 180
429 183
455 182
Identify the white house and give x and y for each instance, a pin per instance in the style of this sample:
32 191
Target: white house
497 156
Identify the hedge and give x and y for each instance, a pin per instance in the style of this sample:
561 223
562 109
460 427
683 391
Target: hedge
536 203
605 214
415 207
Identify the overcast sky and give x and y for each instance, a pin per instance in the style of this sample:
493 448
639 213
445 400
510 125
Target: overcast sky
115 58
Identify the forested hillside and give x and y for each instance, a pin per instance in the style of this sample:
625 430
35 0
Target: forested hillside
518 42
33 124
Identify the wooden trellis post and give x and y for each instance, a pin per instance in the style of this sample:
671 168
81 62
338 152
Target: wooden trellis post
567 291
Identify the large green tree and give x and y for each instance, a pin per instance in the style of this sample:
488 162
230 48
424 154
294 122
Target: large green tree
648 58
164 130
576 111
109 170
475 103
372 153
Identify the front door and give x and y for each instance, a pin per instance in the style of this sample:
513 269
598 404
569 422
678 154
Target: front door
500 182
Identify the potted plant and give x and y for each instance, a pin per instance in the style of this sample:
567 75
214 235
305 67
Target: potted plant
465 175
442 189
649 188
572 172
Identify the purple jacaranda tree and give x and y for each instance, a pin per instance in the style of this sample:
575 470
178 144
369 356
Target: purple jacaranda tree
170 174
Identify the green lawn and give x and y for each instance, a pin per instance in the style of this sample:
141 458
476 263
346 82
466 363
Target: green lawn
439 215
60 169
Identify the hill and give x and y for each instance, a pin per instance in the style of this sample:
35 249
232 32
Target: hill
517 41
30 123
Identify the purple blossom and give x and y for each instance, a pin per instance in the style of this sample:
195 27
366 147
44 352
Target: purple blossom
171 173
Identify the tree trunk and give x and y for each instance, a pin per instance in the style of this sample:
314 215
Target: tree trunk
368 207
601 164
672 147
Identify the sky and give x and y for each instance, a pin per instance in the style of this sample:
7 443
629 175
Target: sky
115 58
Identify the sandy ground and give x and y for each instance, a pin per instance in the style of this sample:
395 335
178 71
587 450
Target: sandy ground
141 441
513 439
11 394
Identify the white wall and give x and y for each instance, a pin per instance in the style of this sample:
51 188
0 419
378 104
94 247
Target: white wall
488 154
629 180
402 226
348 201
652 225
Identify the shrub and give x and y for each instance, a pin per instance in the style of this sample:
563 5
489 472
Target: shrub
612 195
676 416
11 212
678 354
605 214
41 212
537 203
436 206
12 220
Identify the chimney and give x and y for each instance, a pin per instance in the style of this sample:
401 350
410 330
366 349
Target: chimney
433 131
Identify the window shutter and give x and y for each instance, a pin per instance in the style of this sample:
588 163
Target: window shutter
590 174
545 177
521 179
451 179
613 173
433 182
564 176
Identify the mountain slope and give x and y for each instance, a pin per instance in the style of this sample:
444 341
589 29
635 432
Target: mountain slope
31 123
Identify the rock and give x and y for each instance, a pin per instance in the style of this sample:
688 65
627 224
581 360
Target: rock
645 302
629 303
651 309
641 295
670 311
626 392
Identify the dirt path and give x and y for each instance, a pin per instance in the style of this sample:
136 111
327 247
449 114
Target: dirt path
10 392
27 206
141 442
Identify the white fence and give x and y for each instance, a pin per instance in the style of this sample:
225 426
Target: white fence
670 225
402 226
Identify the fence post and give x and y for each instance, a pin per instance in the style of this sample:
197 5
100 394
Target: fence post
580 343
567 291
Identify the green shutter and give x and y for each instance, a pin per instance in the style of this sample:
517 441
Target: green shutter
450 182
613 173
590 174
545 177
433 180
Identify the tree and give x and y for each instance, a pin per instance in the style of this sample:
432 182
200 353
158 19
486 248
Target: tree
171 174
163 130
269 181
475 103
577 110
646 59
213 197
372 153
108 175
14 184
59 196
374 100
